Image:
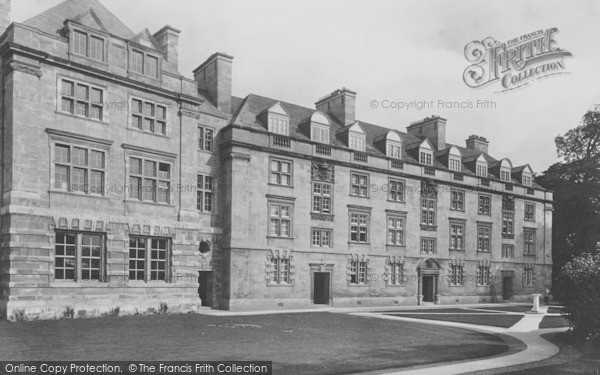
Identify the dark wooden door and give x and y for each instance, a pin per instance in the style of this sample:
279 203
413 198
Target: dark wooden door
427 288
507 288
321 288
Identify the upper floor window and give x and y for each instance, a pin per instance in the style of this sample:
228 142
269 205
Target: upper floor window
527 180
394 150
507 222
205 138
457 200
205 193
82 99
396 190
426 157
508 251
280 216
359 184
454 164
79 169
322 196
279 125
79 256
148 116
319 128
482 169
396 230
457 236
88 45
281 172
321 237
530 211
529 241
428 209
359 227
143 63
357 142
428 245
505 175
485 204
484 234
149 180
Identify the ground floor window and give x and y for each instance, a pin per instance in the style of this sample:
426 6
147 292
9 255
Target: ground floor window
280 273
483 275
508 251
396 273
79 256
358 272
528 277
149 258
456 275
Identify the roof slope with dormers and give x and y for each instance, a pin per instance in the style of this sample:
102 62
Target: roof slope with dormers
247 112
52 20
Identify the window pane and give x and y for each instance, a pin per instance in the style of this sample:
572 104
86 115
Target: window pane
80 43
149 168
67 87
97 48
137 61
151 66
79 156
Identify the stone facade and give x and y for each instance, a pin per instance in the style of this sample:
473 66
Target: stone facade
35 208
87 104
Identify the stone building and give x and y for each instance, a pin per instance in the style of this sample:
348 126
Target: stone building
126 184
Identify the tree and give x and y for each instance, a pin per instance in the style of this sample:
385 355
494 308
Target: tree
575 182
582 277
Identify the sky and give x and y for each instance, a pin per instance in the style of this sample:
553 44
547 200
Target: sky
389 52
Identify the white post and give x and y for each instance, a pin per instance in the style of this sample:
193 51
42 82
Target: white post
536 304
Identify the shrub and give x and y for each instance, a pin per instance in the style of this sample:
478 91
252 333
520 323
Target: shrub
68 312
582 303
114 312
18 315
163 308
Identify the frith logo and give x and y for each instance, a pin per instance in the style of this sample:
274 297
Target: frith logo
515 63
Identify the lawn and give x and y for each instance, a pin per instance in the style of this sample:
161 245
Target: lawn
556 310
498 320
508 308
302 343
554 322
449 310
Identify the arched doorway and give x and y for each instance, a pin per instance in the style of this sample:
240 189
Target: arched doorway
428 271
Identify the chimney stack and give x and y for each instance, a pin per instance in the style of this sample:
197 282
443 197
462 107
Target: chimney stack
168 40
4 15
214 77
475 142
433 127
340 104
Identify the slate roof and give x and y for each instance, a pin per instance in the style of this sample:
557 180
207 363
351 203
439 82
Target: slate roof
51 20
247 112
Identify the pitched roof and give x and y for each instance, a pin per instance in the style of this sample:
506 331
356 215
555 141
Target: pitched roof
52 20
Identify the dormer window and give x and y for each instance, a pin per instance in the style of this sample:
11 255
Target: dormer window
505 170
482 169
454 160
527 180
319 128
278 120
356 138
393 145
426 157
426 153
143 63
88 45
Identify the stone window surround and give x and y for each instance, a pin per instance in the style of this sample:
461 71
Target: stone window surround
105 36
60 77
91 143
78 256
146 51
130 114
